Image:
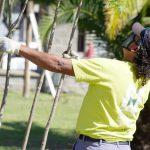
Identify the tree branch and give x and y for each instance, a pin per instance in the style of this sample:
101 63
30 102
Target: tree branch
11 30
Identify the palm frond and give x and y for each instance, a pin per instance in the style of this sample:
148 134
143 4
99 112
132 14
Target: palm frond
44 27
119 13
66 14
91 16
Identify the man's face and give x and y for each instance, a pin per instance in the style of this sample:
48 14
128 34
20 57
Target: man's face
133 47
132 43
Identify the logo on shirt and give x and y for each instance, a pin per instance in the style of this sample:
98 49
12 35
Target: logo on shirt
133 100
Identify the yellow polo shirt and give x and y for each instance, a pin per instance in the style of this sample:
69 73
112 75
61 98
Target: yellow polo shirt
113 101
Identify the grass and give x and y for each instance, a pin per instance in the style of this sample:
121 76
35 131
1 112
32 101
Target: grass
62 132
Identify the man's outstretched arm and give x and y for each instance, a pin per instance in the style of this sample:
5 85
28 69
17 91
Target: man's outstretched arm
46 61
49 62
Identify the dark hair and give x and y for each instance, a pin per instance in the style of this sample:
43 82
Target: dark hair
142 65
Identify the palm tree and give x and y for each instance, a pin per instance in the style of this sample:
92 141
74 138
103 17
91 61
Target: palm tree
119 13
108 16
90 14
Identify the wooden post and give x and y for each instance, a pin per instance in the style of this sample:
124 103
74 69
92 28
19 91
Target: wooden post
2 3
27 74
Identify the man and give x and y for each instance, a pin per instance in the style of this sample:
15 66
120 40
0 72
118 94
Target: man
117 90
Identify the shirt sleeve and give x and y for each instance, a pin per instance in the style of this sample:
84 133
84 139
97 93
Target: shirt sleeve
87 70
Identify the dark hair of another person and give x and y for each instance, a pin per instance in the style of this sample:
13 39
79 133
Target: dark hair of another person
142 60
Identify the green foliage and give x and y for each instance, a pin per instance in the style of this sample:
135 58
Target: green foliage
146 9
96 15
119 13
91 16
45 2
45 27
66 14
115 44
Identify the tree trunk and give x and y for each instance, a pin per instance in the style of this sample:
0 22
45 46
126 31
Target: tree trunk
141 139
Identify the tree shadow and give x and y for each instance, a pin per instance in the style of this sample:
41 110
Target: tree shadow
12 135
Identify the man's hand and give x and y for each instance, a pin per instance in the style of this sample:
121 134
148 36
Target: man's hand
9 46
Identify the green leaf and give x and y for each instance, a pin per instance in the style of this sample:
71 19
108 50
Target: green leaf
119 13
44 27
